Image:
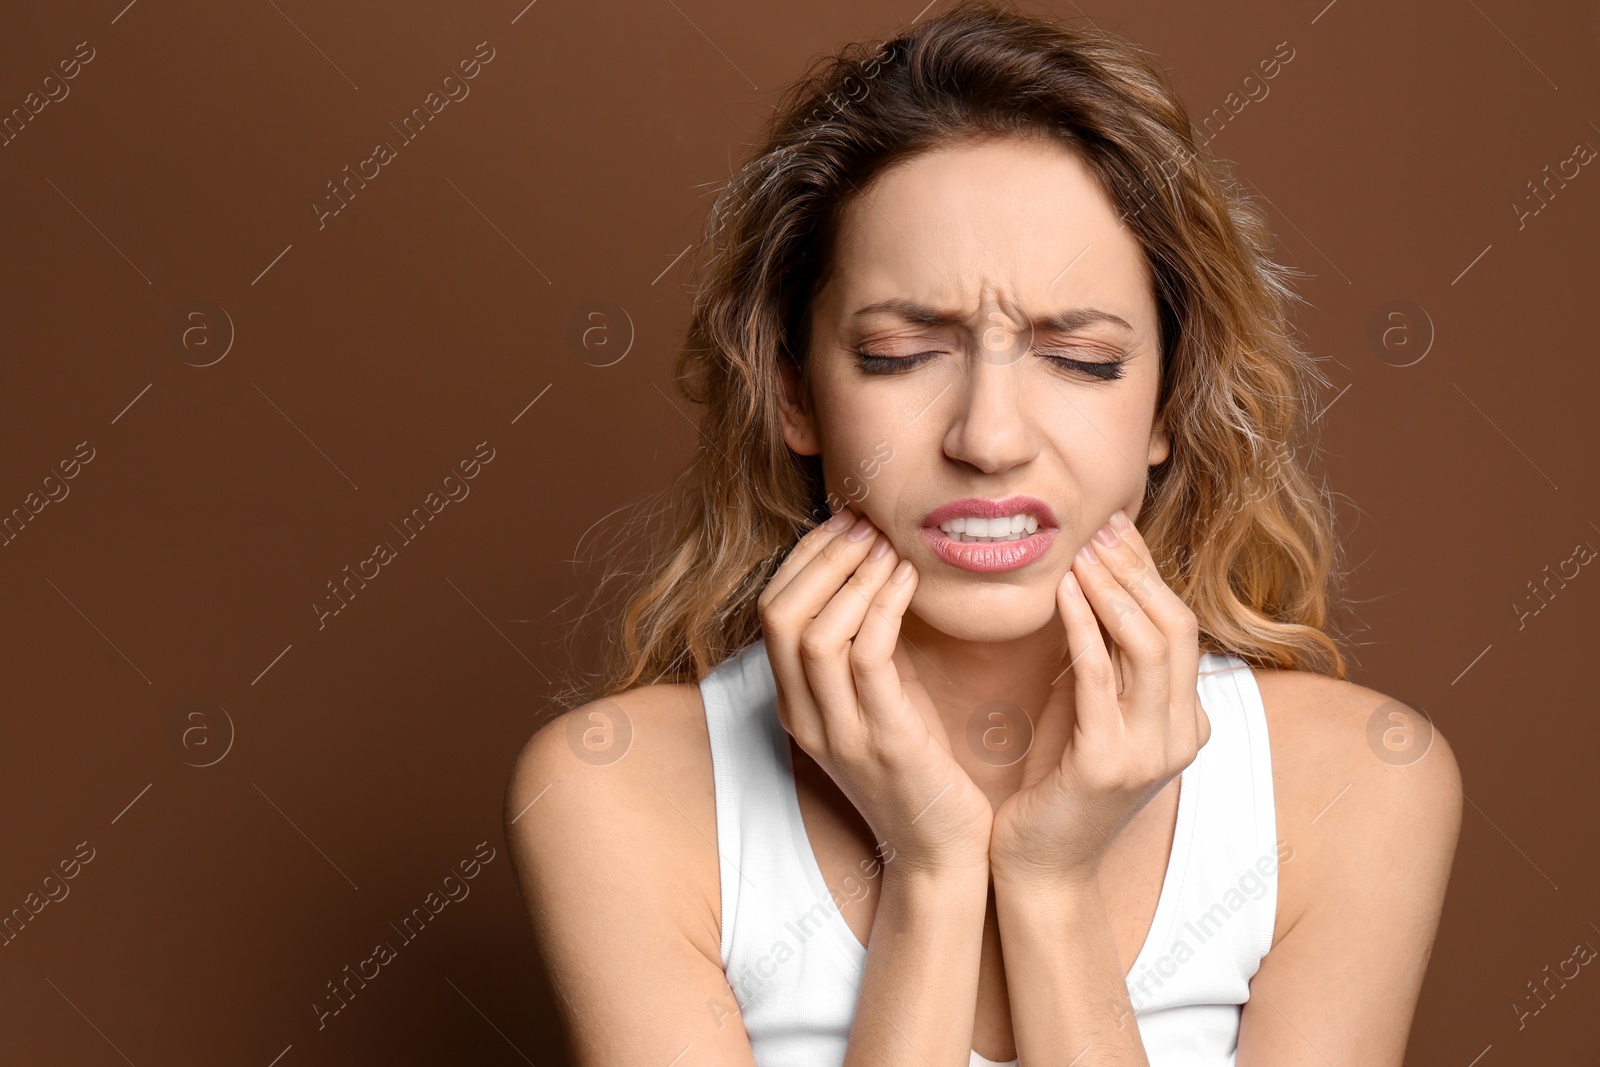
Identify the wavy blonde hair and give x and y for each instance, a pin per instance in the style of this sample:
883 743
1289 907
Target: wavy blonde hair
1237 526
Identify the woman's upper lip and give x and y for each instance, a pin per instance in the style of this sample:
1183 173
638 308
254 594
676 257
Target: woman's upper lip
978 507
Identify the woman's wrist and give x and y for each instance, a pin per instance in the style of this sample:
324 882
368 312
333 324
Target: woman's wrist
1061 892
922 881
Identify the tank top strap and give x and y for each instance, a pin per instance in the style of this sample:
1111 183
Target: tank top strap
792 963
1212 940
749 770
1230 686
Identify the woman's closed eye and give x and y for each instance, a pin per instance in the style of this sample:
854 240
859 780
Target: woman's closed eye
1103 369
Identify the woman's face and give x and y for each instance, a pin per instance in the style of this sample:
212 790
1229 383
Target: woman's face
958 276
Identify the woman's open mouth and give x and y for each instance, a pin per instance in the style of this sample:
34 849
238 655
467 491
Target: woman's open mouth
990 535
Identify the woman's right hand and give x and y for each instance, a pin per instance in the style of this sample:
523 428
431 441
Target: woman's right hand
831 620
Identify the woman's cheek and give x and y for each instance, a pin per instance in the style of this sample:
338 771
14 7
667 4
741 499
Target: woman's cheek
862 476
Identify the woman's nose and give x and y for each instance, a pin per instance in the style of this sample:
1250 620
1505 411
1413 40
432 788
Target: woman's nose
991 425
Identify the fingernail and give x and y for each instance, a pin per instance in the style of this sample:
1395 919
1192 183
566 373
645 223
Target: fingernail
879 547
860 530
1120 521
1106 536
839 521
901 572
1086 554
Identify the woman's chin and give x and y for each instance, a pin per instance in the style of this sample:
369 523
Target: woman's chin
984 612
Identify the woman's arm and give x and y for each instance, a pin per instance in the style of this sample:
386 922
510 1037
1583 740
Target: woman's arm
1068 996
1109 739
831 619
920 989
605 855
1374 839
1374 828
1339 988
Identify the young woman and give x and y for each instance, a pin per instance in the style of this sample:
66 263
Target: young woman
1039 748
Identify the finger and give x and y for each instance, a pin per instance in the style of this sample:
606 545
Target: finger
804 550
1131 561
1093 675
819 577
789 611
825 646
797 710
877 678
1142 647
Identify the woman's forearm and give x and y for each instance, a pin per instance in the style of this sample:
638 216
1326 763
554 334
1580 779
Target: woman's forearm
919 989
1069 999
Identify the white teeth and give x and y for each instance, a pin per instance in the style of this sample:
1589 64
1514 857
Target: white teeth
1012 528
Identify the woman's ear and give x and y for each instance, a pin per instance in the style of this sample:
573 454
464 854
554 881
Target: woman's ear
1160 441
799 429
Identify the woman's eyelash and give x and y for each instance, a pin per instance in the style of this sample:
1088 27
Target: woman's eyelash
890 364
1105 370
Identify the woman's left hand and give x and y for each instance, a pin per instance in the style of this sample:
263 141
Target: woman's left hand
1138 722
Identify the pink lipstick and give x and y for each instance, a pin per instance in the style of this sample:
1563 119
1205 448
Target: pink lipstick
988 536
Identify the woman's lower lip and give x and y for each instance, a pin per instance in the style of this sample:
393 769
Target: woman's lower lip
989 556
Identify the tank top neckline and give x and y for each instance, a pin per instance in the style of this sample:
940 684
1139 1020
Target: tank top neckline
856 952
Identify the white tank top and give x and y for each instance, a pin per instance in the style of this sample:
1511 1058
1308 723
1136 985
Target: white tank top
795 966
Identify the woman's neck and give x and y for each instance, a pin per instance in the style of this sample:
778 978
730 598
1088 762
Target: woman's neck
962 676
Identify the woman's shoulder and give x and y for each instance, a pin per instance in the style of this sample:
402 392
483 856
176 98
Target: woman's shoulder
615 749
1327 731
605 731
617 793
1360 780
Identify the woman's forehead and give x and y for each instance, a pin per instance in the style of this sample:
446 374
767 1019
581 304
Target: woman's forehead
1009 222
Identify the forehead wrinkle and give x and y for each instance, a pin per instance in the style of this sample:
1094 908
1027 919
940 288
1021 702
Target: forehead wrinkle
1060 321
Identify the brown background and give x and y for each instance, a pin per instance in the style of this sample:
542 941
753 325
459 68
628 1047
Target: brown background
370 356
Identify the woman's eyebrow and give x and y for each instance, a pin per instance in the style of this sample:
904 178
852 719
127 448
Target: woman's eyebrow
1077 318
1061 322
